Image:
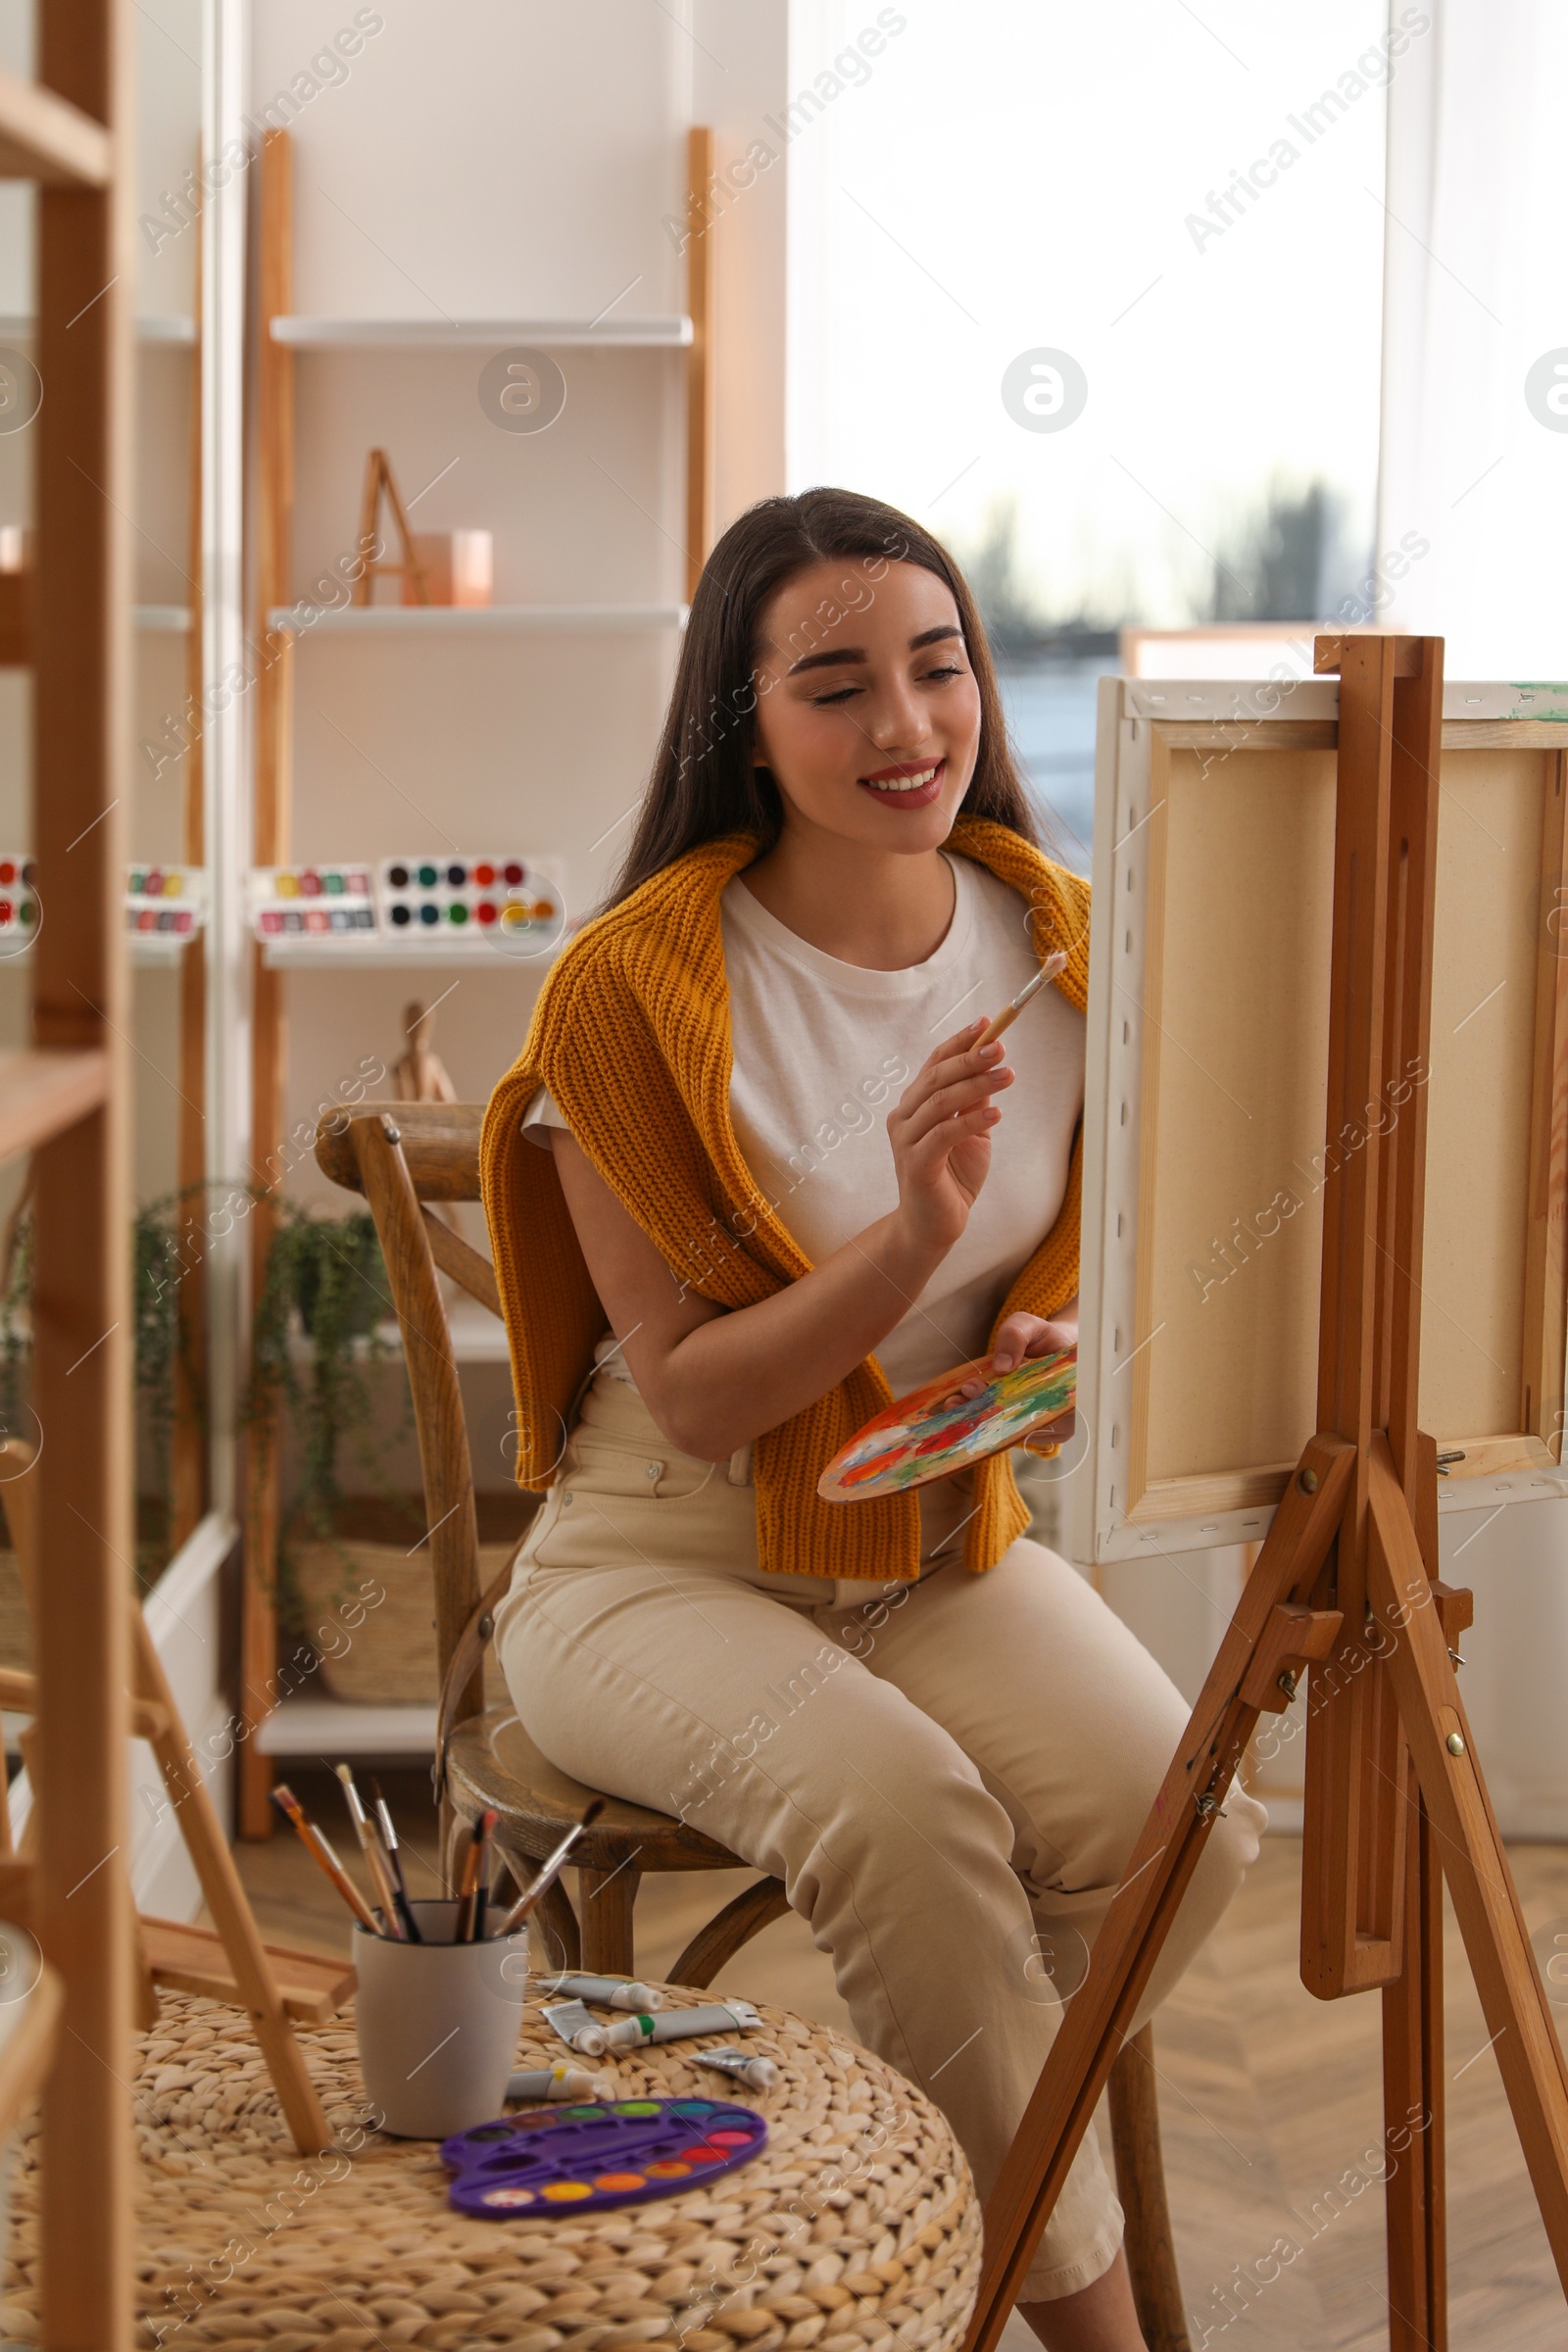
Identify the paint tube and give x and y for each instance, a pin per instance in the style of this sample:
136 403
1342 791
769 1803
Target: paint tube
614 1992
560 2082
578 2030
674 2024
759 2074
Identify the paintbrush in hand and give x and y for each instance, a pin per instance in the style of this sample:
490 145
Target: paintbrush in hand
1004 1019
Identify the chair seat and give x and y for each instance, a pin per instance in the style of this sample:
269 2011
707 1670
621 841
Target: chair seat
491 1761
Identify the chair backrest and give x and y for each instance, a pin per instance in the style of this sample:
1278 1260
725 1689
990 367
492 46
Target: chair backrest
401 1156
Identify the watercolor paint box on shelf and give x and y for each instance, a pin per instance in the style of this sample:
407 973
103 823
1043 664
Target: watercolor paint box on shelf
18 901
168 901
508 898
314 900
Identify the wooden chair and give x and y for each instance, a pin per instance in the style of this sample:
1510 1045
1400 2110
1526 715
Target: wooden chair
403 1158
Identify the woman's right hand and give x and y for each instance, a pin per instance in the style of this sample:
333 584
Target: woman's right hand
941 1136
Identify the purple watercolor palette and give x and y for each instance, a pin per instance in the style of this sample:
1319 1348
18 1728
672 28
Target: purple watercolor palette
581 2159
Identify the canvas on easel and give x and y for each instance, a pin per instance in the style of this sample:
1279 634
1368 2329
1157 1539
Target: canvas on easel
1205 1153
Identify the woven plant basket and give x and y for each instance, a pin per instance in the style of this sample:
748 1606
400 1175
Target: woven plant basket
387 1658
856 2226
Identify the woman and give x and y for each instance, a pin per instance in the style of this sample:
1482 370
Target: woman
754 1134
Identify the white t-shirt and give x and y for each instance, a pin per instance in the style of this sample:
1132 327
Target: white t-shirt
824 1049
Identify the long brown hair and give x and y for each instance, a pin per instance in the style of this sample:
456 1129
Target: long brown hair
704 783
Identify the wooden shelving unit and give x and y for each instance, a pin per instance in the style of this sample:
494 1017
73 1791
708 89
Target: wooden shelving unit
161 951
286 341
67 1101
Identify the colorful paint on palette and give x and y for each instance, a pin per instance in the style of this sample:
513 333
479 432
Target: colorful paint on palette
921 1437
576 2159
503 897
18 901
311 901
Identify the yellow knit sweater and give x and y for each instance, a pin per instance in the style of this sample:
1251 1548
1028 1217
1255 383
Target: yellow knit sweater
631 1035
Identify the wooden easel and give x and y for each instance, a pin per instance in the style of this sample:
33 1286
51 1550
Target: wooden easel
227 1962
1356 1533
378 481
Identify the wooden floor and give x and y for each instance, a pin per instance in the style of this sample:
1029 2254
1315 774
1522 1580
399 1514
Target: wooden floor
1271 2103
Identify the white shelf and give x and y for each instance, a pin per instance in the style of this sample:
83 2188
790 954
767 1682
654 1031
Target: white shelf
22 327
477 1336
669 333
147 948
162 948
169 620
331 1727
383 953
384 619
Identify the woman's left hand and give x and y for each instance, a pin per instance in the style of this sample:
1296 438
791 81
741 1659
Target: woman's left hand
1030 1335
1020 1337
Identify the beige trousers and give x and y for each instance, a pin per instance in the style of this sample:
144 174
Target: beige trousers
949 1777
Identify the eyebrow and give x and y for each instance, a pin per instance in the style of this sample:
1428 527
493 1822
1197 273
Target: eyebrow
844 655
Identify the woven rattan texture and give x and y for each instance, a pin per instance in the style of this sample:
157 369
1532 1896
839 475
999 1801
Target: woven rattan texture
856 2226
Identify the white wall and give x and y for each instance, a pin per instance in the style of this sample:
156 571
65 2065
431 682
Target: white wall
1473 296
508 162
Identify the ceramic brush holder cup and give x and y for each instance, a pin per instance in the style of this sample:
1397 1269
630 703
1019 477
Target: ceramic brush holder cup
437 2024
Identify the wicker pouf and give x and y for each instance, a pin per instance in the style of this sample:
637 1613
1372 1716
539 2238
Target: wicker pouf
857 2225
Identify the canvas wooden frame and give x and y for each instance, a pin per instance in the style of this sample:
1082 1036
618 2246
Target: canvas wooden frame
1205 1105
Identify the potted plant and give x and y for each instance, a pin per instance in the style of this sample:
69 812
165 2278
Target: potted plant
321 1330
158 1341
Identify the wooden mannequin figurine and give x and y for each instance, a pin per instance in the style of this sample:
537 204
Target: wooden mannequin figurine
421 1075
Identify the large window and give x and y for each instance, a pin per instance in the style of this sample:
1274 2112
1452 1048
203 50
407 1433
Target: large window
1095 294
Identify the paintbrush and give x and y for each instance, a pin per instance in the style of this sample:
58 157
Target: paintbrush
549 1871
389 1842
471 1887
317 1847
1031 988
374 1863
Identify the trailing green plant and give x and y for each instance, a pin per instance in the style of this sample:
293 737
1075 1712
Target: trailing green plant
158 1343
16 1332
325 1278
326 1281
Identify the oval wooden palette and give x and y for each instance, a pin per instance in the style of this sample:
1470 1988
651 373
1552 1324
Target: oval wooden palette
919 1438
560 2160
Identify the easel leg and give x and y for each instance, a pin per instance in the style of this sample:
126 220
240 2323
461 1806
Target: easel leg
1412 2107
232 1912
1524 2032
1256 1667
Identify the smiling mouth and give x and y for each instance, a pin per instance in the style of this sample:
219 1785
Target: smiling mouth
906 787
